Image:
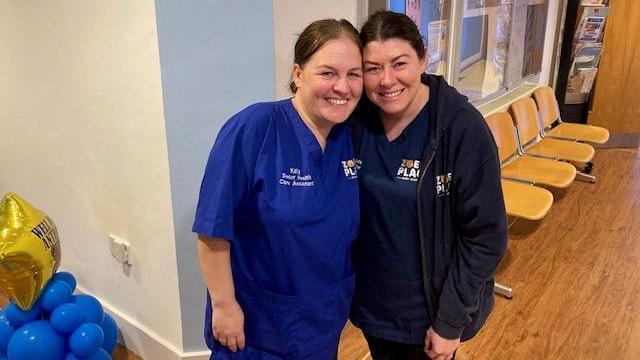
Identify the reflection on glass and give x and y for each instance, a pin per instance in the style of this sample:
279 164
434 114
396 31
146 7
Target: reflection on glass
484 45
534 37
432 18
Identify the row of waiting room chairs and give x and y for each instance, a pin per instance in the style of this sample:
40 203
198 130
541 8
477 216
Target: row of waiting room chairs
537 148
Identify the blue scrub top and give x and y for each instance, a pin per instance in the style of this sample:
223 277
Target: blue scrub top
291 213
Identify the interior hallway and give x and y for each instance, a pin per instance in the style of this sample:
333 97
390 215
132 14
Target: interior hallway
575 276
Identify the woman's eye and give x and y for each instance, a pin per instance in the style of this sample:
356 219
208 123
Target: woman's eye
372 70
399 64
353 76
327 74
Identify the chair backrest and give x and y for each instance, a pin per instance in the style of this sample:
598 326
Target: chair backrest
501 126
547 104
525 116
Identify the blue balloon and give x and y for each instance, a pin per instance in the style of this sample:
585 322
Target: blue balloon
67 278
35 341
6 330
86 340
56 293
110 333
66 318
90 308
18 317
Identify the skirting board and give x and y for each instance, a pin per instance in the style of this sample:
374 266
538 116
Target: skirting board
142 341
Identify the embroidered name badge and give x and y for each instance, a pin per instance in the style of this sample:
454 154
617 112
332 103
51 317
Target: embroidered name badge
409 170
350 168
443 184
295 178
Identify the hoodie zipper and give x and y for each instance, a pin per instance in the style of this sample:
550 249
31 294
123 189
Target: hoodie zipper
425 282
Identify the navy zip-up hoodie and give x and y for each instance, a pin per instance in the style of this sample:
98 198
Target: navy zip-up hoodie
461 214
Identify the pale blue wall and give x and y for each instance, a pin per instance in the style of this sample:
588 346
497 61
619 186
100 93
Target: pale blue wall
216 57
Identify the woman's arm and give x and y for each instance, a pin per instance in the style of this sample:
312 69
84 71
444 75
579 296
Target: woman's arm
227 316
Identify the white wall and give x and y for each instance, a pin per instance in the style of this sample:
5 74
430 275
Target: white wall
290 17
83 138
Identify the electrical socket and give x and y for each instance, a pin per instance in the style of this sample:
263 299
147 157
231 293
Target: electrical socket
119 249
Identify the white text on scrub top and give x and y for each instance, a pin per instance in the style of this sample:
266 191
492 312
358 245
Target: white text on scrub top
295 178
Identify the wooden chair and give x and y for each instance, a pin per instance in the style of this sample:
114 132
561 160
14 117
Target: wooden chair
525 116
550 115
517 166
524 201
521 198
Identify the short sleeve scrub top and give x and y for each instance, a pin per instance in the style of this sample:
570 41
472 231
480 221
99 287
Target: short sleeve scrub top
290 212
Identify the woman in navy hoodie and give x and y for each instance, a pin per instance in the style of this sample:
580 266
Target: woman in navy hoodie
433 223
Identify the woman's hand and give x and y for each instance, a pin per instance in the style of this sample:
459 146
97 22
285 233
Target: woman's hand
228 325
439 348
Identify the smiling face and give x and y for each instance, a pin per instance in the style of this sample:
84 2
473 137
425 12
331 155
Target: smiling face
329 83
392 71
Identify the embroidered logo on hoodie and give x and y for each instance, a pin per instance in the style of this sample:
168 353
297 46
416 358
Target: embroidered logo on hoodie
409 170
443 184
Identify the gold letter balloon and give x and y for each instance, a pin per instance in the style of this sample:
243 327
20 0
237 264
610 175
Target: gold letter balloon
29 250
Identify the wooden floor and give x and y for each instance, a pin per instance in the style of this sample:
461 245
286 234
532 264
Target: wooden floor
575 275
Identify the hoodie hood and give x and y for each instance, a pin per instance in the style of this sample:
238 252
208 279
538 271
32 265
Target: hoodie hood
446 106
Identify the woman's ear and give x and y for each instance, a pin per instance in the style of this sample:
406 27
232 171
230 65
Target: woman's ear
296 75
424 60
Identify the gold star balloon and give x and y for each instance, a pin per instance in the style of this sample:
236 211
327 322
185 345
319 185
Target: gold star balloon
29 250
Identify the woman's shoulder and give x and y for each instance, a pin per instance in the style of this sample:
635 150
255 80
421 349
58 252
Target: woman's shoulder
261 112
255 119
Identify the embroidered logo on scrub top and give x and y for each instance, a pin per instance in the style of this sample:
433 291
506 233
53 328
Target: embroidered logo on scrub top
409 170
295 178
443 184
350 169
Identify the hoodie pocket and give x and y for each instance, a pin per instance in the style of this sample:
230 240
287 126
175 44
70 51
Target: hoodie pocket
485 305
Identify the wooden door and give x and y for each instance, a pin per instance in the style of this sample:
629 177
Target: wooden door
616 97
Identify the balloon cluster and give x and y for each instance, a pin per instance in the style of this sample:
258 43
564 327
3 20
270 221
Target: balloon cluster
59 326
44 319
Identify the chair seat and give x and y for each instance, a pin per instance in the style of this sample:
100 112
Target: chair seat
581 132
544 171
562 149
526 201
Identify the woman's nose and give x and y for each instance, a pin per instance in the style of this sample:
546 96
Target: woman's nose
341 86
387 78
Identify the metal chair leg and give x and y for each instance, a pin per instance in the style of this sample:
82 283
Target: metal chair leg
503 290
585 177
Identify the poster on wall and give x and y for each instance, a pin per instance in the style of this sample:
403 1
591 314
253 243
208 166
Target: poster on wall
431 17
414 11
437 48
474 4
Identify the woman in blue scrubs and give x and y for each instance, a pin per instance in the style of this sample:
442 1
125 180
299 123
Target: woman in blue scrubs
433 224
278 210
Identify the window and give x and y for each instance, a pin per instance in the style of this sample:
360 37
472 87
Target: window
432 18
497 44
485 32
